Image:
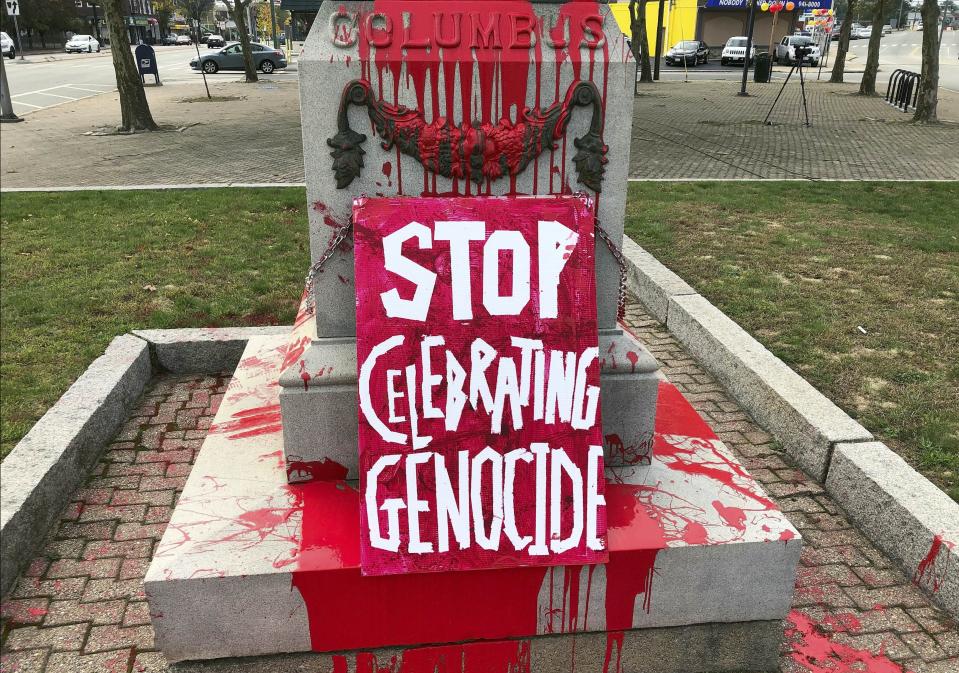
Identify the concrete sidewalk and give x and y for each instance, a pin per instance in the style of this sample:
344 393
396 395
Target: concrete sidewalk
696 130
250 133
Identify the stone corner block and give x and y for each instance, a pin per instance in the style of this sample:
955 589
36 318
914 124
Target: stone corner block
804 420
904 513
48 464
651 281
206 350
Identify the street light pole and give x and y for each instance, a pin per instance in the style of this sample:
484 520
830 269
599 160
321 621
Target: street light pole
749 46
276 38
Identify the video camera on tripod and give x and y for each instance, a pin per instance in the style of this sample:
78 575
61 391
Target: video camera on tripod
800 53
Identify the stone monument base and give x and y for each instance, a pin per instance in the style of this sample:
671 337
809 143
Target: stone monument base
318 385
701 566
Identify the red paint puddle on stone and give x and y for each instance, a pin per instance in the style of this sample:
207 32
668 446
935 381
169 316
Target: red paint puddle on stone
301 471
811 648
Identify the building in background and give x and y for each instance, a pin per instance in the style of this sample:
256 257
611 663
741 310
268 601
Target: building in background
679 21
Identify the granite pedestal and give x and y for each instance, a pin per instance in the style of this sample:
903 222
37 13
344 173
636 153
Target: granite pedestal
253 565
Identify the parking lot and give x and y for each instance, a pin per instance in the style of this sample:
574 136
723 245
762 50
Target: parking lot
44 81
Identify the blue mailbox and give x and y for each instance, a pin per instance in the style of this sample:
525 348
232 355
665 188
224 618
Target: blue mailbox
147 62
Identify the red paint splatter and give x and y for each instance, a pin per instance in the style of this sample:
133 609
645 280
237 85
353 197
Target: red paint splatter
818 653
252 422
733 516
633 358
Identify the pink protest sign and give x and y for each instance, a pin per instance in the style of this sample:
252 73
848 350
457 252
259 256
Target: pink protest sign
479 428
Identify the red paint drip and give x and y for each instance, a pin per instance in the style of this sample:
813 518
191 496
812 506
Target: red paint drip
629 574
613 640
633 358
818 653
733 516
928 564
349 611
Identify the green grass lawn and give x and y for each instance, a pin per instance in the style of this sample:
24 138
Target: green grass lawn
802 266
855 286
79 268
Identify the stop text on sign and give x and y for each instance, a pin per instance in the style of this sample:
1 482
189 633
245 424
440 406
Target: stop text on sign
478 384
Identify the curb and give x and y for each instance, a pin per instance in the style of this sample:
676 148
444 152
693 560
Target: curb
53 459
901 511
910 519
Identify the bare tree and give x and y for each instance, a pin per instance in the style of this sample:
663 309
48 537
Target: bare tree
868 85
639 42
928 98
134 108
237 9
194 10
839 65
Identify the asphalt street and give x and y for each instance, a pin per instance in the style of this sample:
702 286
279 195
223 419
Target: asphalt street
898 50
43 81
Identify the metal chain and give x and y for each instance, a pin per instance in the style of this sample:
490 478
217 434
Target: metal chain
317 266
621 261
345 231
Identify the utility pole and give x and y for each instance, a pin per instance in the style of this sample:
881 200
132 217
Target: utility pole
749 46
942 26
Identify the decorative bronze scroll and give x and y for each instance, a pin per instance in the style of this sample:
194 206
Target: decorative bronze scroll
477 151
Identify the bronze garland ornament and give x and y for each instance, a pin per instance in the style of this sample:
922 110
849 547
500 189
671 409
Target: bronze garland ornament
475 151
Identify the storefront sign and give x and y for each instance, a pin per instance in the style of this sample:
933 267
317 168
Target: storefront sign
744 4
479 428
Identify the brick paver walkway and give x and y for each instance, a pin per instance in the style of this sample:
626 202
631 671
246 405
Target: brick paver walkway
80 607
684 131
703 130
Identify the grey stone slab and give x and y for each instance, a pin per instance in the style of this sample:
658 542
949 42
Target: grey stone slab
628 377
237 540
651 282
207 350
53 459
718 647
903 513
804 420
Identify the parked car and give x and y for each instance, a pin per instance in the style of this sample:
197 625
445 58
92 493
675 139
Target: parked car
184 39
80 43
169 39
688 52
836 30
215 41
887 29
735 51
230 57
862 32
6 45
786 50
205 37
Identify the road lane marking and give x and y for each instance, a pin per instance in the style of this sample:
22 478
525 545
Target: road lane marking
80 88
39 107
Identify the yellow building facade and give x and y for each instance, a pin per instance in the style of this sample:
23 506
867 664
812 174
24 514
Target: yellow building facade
679 20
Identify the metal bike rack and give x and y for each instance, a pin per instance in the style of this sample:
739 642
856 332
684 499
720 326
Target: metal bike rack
903 89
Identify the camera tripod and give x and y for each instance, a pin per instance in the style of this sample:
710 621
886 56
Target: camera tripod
802 87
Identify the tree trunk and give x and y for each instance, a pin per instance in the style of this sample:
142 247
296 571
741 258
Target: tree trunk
839 65
928 98
868 85
239 17
134 109
638 39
